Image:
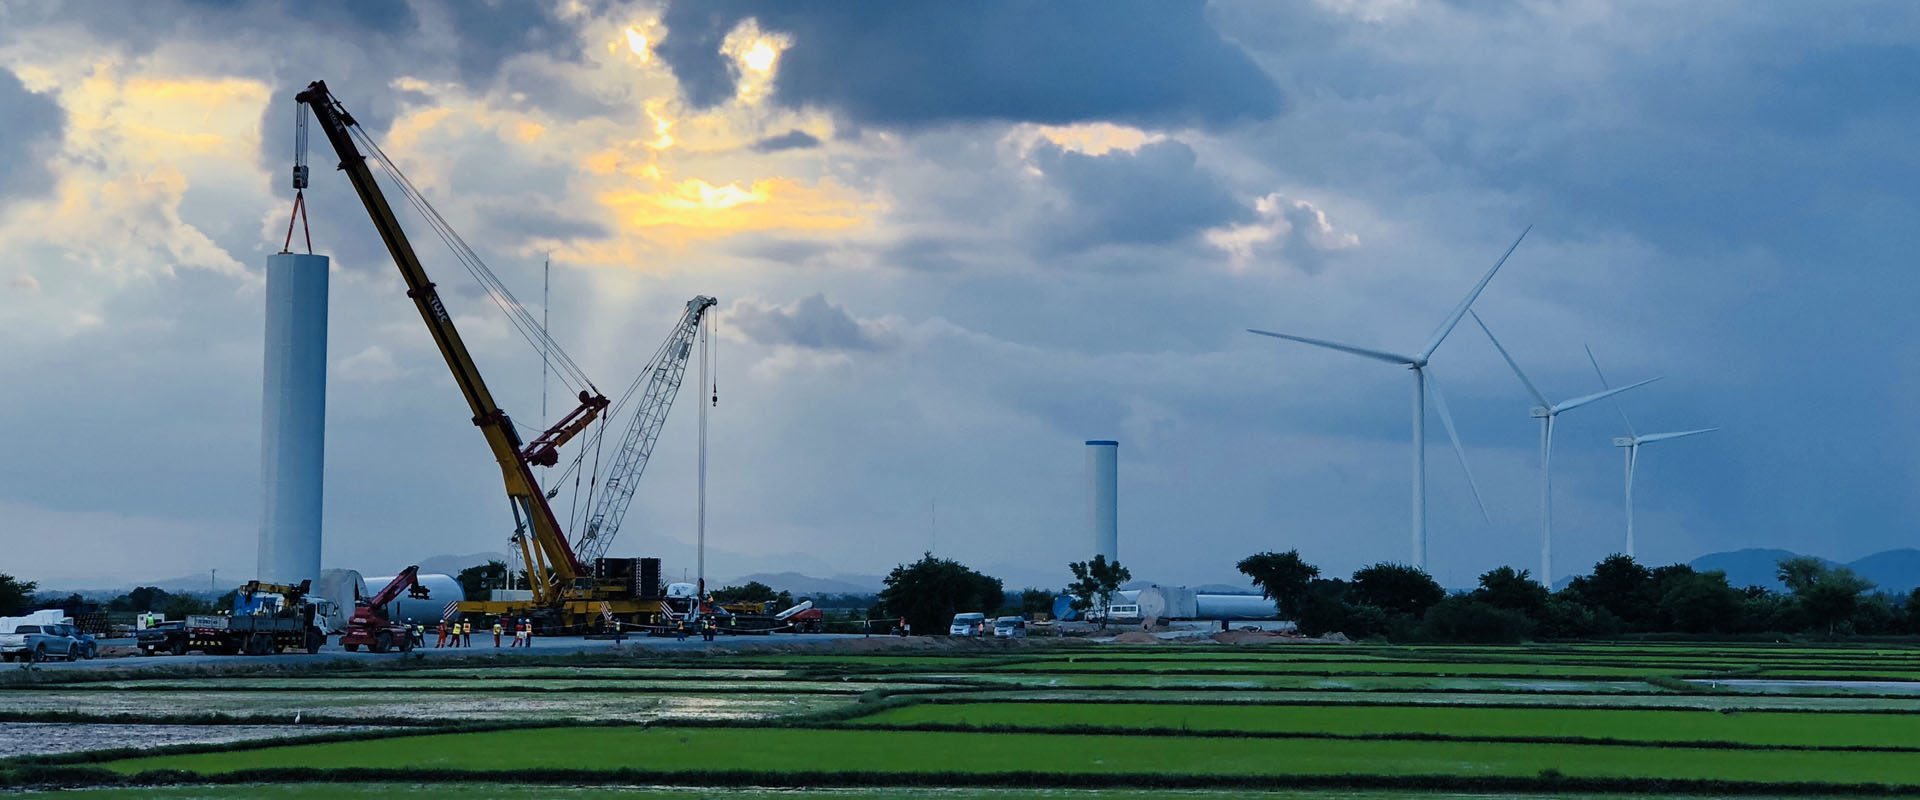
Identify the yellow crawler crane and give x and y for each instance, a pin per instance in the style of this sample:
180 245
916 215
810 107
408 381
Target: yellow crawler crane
566 594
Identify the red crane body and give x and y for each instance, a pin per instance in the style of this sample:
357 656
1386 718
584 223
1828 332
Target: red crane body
370 626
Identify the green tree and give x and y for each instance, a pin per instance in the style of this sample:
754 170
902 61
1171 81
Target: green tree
1396 589
15 595
1094 582
179 606
928 592
1325 609
1036 601
1619 585
1698 602
755 592
141 599
478 582
1462 618
1504 587
1829 593
1284 578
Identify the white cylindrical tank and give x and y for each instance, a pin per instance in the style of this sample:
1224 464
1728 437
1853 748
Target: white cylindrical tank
293 412
1103 496
1234 606
441 590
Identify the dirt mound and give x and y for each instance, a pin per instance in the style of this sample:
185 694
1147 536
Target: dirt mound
1136 637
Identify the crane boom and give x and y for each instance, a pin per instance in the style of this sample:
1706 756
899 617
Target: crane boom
664 374
547 552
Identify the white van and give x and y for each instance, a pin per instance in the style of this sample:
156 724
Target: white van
971 623
1010 628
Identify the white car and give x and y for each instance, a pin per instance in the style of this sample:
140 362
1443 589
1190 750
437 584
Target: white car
971 623
1010 628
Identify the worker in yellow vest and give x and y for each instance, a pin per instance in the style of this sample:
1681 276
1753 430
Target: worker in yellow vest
496 633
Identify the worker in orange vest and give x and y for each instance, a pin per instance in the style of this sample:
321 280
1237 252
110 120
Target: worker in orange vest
442 641
466 633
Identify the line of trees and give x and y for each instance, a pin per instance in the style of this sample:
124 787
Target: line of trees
18 597
1620 596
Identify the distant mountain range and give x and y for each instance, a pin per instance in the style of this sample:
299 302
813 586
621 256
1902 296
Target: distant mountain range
1892 571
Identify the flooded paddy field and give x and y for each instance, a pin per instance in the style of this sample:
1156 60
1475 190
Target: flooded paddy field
943 719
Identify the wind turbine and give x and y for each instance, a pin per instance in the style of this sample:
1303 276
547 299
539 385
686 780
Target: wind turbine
1632 442
1423 375
1546 412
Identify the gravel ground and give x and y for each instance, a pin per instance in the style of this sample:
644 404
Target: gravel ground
47 738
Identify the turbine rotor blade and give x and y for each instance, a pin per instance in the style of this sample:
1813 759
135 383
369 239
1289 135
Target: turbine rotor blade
1603 384
1531 389
1584 399
1377 355
1661 437
1446 420
1440 334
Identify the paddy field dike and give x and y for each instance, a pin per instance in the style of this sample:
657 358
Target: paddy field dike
1034 720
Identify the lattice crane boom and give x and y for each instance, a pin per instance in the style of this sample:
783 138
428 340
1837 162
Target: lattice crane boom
665 372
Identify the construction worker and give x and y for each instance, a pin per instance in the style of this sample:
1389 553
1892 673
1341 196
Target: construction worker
618 634
529 624
496 633
708 632
442 641
466 633
680 631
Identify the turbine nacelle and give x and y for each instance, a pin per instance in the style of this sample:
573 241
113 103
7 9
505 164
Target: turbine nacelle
1624 441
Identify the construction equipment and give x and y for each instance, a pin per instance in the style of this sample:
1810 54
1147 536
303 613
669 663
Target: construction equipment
665 371
564 592
370 626
267 618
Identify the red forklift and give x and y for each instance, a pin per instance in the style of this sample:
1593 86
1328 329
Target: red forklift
370 626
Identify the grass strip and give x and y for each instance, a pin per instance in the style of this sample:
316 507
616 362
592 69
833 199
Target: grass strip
1546 782
780 750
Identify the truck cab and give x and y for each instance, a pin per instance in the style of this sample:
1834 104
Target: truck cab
35 642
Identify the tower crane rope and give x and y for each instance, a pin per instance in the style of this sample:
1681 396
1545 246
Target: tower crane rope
662 379
522 320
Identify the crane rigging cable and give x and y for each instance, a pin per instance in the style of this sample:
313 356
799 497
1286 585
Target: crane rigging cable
523 322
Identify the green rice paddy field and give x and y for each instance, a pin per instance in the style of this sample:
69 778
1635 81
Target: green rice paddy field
1039 721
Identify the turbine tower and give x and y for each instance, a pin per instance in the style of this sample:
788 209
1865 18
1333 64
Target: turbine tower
1631 442
1546 412
1423 375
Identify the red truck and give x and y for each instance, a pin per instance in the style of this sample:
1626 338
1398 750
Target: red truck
370 627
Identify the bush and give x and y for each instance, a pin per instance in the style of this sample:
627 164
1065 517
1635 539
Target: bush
1464 619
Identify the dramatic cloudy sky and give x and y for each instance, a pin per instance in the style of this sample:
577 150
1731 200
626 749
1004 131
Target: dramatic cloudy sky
951 242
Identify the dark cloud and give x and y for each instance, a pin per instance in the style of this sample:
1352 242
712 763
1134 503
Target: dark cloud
521 224
31 131
1154 195
915 64
812 322
791 140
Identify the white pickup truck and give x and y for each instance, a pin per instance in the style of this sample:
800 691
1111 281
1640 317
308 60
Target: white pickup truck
35 642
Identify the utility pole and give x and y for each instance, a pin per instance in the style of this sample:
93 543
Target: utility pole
933 512
700 535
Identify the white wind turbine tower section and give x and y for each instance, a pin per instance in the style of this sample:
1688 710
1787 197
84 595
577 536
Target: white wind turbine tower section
1546 412
1422 376
1631 442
